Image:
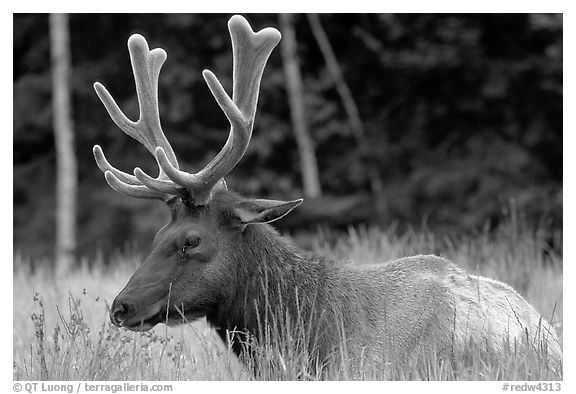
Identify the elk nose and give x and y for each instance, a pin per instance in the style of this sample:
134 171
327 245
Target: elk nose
120 311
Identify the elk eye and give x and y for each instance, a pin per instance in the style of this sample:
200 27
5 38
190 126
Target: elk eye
191 243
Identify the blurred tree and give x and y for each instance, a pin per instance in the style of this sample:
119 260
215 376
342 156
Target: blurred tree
308 163
336 73
66 176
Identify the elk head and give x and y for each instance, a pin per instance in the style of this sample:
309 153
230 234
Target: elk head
191 266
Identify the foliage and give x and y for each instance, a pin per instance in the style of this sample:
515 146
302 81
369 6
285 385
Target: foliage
462 114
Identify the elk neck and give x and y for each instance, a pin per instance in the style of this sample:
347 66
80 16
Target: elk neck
273 277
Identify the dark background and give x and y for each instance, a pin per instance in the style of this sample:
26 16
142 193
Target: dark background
462 117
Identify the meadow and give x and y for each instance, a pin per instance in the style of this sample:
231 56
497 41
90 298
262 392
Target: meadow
62 330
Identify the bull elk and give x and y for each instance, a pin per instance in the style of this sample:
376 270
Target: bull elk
219 258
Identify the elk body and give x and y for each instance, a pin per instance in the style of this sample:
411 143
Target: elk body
219 258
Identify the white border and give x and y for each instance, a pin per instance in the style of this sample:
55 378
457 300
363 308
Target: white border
421 6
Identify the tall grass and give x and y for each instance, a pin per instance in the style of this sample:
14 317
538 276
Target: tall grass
62 331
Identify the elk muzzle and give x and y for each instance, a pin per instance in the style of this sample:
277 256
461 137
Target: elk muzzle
120 312
143 302
137 317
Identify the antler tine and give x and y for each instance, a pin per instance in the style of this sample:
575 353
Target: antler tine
137 191
146 65
249 66
104 166
250 53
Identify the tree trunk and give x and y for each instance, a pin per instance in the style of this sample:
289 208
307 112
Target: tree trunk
66 183
308 163
337 76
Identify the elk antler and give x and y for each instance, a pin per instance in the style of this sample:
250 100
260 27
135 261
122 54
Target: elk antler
250 53
146 66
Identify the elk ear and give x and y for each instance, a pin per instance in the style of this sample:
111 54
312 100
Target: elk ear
262 211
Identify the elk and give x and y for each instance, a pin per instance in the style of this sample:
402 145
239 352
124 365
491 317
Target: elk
219 258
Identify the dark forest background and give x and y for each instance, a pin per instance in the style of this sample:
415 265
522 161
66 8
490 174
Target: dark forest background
461 121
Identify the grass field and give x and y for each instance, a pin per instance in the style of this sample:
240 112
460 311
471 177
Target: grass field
62 330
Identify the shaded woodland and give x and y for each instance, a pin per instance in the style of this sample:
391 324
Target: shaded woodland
459 120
